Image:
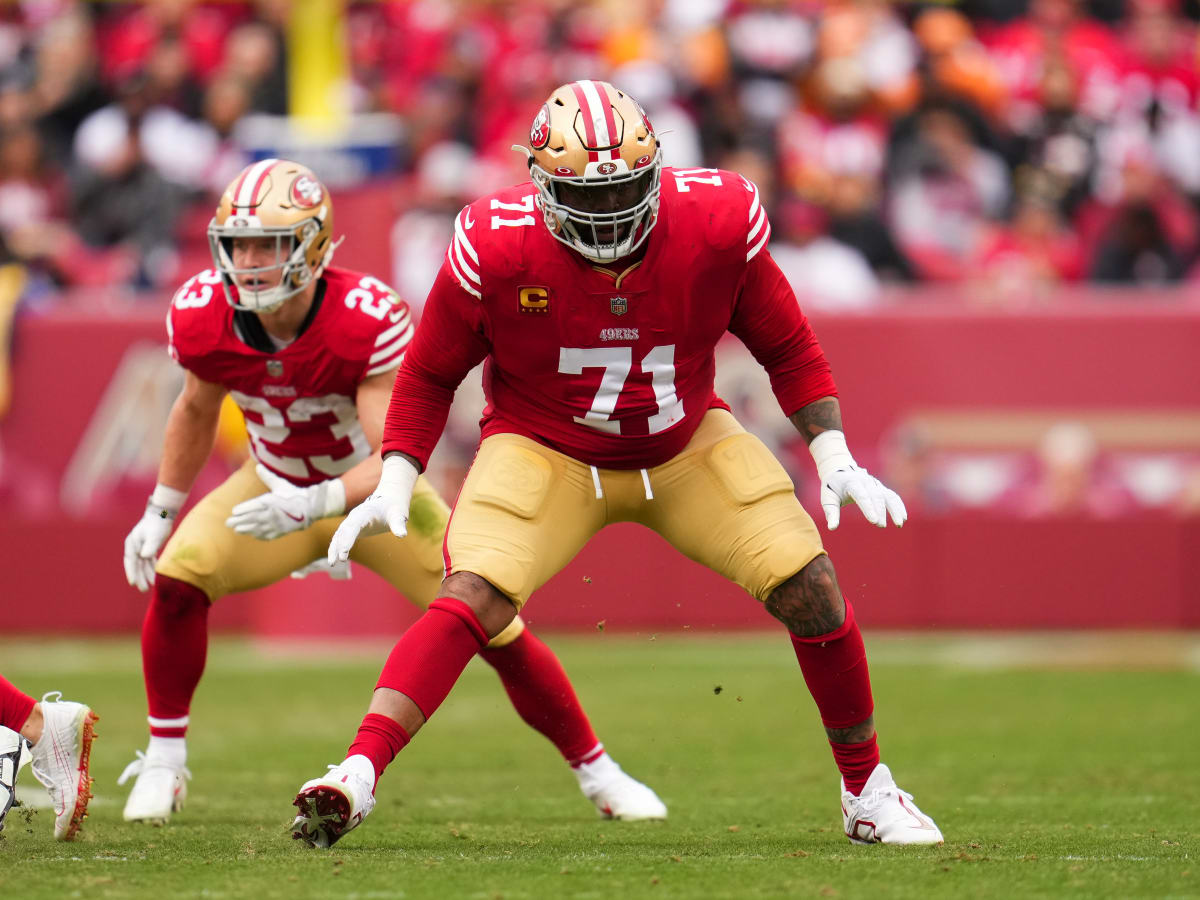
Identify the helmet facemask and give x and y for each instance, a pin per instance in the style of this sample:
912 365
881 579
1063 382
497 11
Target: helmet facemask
292 243
602 216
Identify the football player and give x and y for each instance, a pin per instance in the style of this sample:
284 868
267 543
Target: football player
308 351
597 293
56 736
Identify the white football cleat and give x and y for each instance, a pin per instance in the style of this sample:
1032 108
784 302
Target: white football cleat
331 806
615 794
160 789
61 758
14 753
884 814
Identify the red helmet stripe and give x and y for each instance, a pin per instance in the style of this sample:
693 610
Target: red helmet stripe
609 119
251 181
585 108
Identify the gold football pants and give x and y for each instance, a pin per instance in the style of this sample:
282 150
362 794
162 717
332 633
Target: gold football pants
725 501
210 555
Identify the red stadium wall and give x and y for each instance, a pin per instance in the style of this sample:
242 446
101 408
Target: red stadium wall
62 572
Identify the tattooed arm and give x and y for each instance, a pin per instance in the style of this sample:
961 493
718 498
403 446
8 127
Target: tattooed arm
820 415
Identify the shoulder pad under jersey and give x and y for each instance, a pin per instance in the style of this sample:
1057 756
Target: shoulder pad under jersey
725 205
490 236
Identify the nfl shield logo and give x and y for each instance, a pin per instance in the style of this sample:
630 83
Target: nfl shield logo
274 368
618 305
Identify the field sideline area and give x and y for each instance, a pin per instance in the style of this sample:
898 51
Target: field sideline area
1056 765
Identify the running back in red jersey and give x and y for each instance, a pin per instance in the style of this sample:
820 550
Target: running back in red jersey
298 401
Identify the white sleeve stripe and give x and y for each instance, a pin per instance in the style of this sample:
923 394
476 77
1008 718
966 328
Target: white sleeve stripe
753 251
462 282
385 366
754 205
762 220
467 270
460 234
385 336
392 348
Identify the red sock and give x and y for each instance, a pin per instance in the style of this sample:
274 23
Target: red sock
835 669
856 762
174 648
15 706
542 695
379 739
432 653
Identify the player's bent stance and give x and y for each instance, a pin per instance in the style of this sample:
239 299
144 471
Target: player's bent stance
56 736
597 294
309 353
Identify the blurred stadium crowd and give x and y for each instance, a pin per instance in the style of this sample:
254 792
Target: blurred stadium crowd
1008 145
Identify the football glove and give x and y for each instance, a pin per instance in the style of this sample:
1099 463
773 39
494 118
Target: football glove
385 510
339 571
149 534
287 507
843 481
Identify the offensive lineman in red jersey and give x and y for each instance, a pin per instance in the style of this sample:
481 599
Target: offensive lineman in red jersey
309 353
597 294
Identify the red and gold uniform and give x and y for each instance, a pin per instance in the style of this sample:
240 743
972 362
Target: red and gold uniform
601 405
299 406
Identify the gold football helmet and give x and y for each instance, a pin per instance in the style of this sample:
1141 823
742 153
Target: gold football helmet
280 199
595 160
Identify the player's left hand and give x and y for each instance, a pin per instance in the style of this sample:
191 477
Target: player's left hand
287 507
853 484
339 571
844 481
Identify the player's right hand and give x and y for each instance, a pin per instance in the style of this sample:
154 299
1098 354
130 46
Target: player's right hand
384 510
143 543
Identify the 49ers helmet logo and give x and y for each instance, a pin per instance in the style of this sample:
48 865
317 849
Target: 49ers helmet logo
606 168
539 131
306 192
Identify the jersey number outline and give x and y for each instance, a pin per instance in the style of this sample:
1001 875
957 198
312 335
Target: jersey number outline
275 427
617 362
525 206
374 298
187 298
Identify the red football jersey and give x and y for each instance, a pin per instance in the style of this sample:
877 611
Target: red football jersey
298 401
614 372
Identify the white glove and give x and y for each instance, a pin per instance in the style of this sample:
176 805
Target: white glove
340 571
384 510
149 534
842 480
287 507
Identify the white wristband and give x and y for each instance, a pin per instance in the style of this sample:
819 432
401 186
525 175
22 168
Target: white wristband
168 498
830 453
335 498
398 476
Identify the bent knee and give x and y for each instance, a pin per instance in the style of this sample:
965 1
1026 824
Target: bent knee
810 602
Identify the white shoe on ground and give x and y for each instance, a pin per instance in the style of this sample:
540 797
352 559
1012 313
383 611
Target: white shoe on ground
331 806
61 758
615 794
884 814
160 789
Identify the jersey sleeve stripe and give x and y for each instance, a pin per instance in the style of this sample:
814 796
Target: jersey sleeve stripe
385 336
462 282
460 236
755 206
393 363
762 220
391 348
766 236
463 265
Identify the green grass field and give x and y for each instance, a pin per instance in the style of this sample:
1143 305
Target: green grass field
1065 767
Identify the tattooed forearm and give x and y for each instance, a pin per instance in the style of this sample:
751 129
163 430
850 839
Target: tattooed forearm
820 415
